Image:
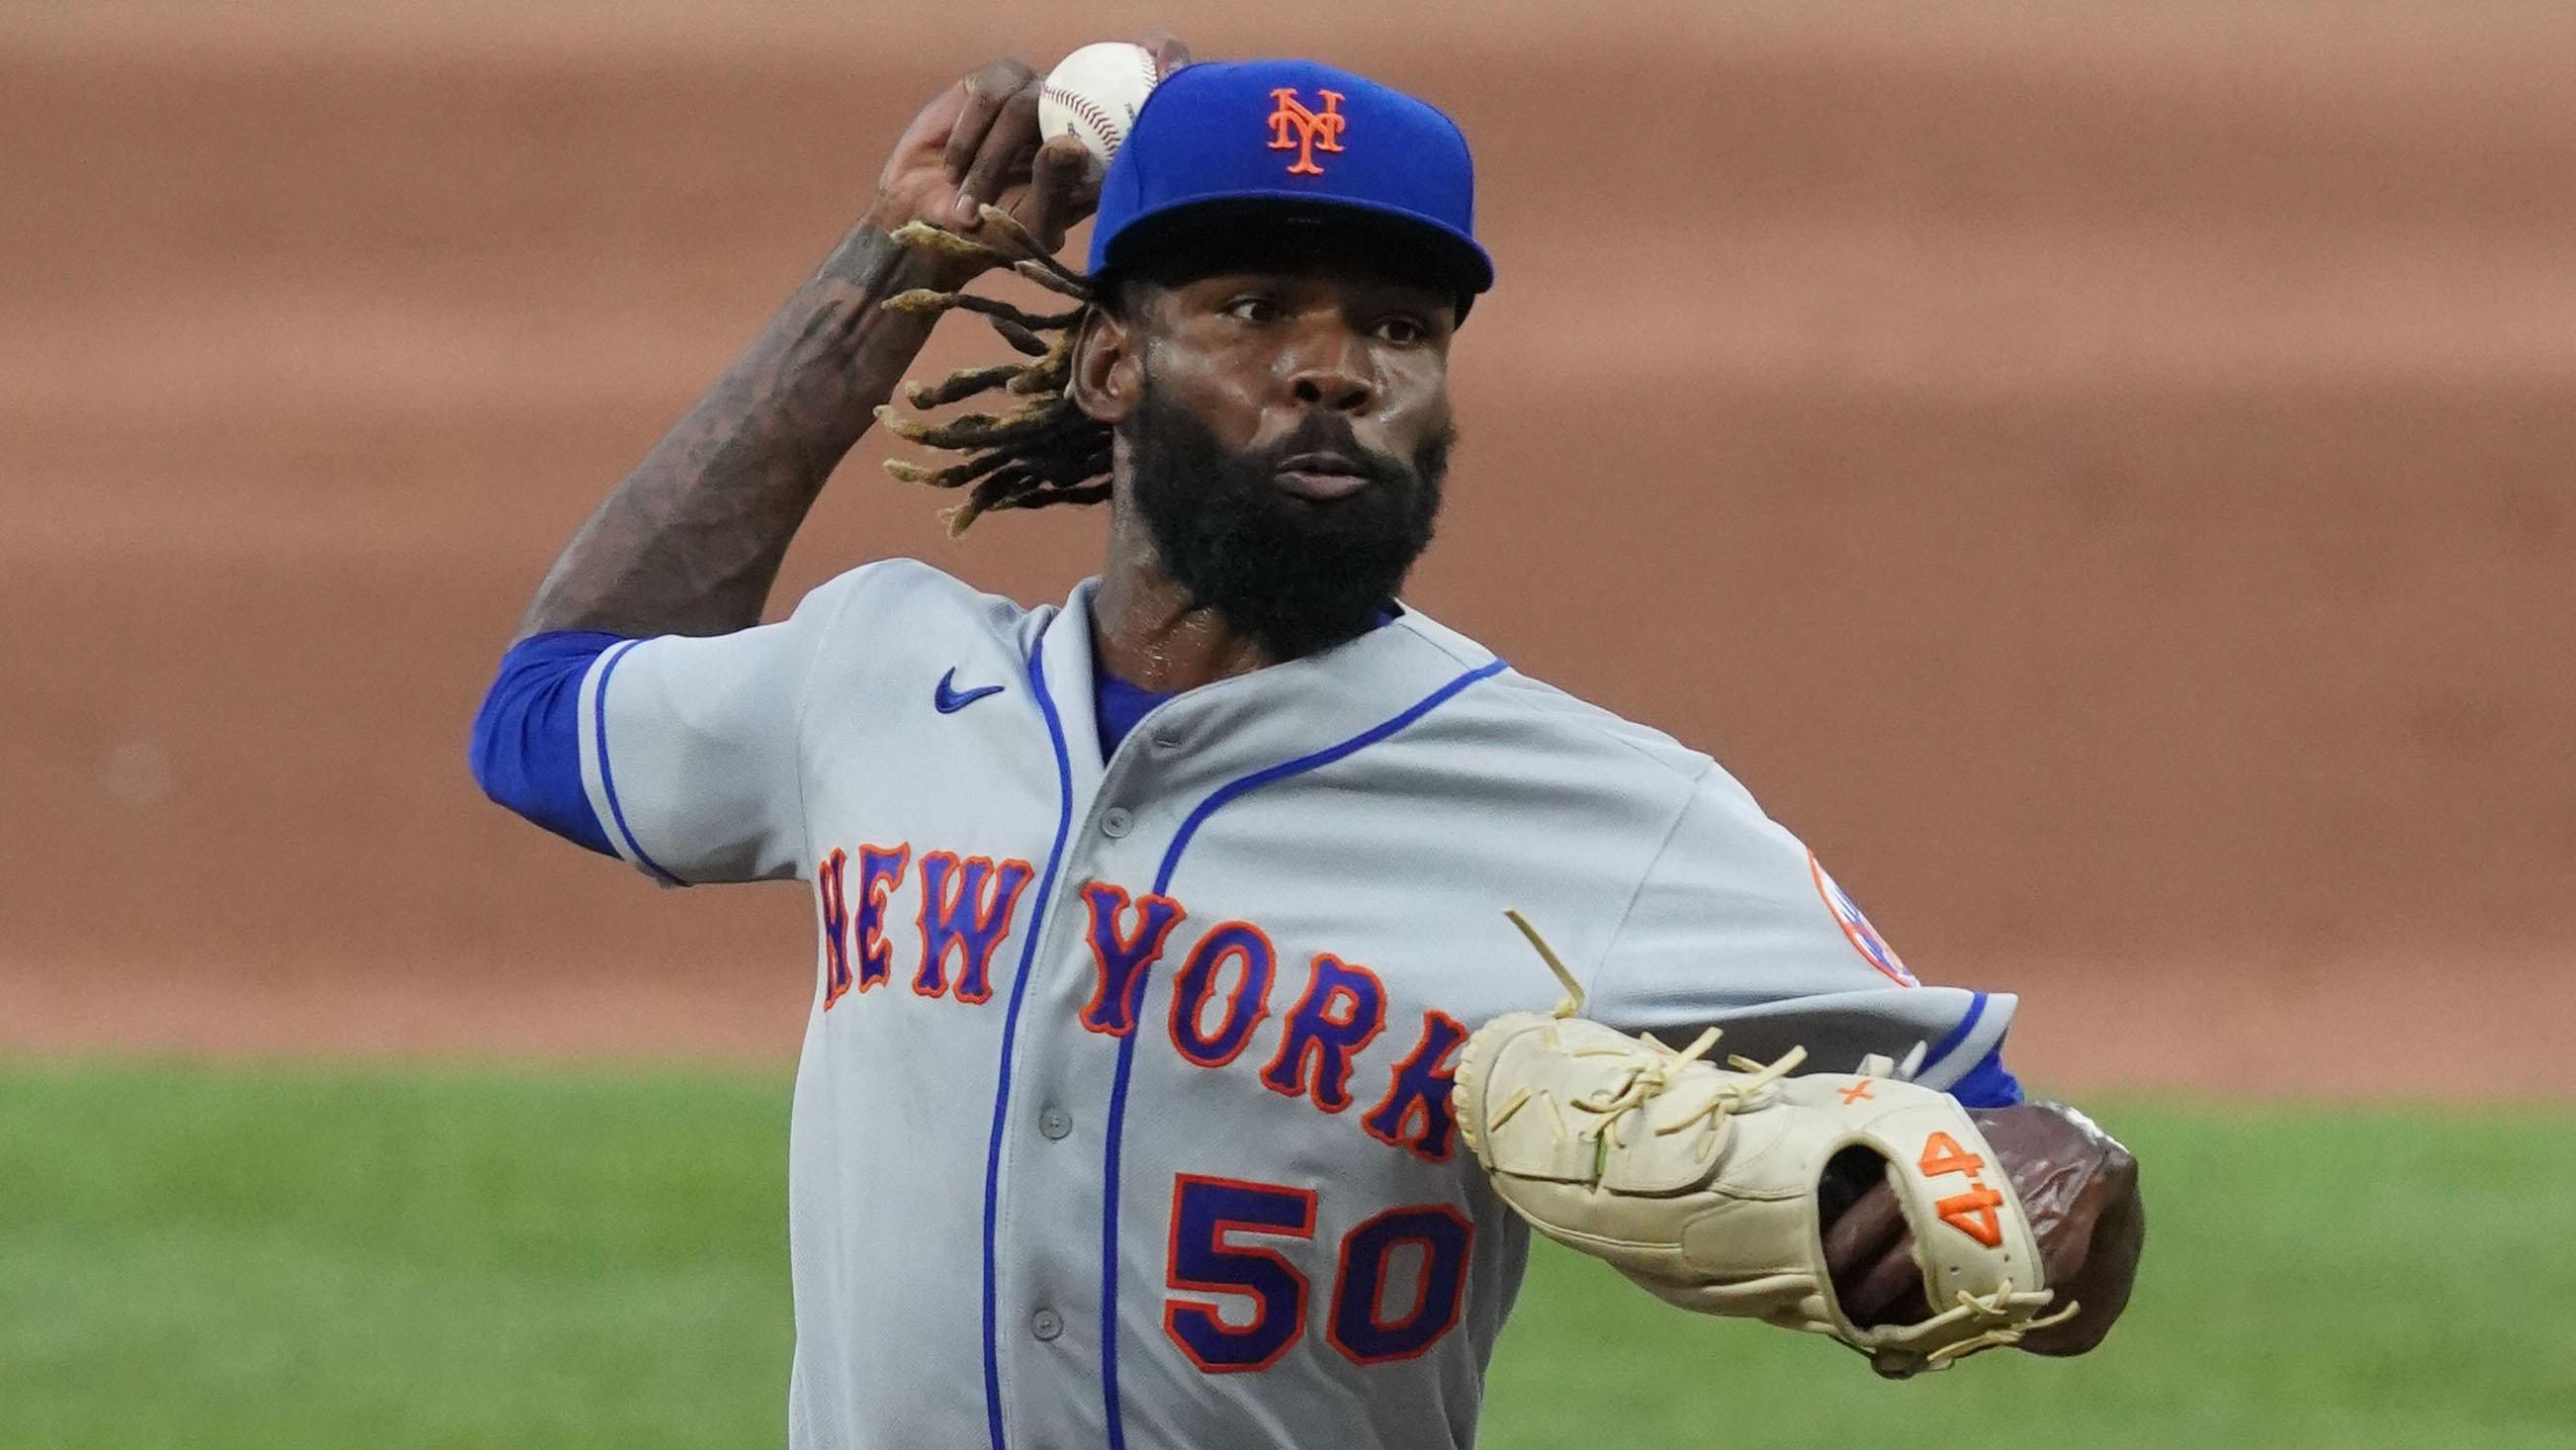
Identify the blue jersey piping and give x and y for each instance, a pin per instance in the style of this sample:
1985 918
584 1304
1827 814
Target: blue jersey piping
1010 1035
608 778
1942 1049
1217 800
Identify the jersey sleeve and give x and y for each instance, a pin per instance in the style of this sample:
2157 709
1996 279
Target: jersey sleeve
690 748
1737 925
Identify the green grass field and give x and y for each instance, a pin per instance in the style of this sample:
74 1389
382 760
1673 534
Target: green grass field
305 1257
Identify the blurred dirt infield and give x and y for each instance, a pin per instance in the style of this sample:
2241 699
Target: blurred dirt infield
2107 484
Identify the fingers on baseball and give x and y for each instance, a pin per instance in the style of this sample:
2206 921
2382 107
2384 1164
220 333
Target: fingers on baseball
1009 148
987 91
1169 53
1065 188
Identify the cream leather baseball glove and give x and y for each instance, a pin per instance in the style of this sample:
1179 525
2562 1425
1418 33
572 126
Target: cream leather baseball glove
1700 1181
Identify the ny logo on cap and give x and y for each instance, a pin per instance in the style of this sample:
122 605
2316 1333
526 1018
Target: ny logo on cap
1316 130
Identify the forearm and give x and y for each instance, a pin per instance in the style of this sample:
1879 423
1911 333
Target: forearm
691 541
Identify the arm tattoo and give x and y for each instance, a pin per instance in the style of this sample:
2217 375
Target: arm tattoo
691 541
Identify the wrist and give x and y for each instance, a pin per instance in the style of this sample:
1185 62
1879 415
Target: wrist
914 266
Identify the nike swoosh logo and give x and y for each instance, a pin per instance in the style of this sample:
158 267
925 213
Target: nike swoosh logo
949 699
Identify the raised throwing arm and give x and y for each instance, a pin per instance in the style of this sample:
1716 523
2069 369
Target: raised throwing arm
690 542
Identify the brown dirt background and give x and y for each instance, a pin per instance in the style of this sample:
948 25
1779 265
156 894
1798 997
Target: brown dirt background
2102 473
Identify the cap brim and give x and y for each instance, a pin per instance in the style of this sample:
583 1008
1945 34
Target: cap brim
1201 229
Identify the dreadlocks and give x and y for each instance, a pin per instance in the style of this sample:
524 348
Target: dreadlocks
1045 451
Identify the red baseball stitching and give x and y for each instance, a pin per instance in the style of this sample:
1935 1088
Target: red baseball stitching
1083 107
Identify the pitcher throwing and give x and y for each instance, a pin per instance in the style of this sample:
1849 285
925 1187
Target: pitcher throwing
1154 926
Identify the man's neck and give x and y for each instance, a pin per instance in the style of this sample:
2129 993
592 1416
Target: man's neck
1145 629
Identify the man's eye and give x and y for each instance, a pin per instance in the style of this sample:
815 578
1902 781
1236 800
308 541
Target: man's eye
1252 309
1402 330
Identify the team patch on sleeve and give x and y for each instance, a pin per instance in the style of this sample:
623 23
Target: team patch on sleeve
1856 928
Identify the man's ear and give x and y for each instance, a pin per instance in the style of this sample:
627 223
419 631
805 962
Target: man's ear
1108 369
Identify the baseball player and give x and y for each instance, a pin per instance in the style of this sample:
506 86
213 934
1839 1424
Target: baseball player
1153 925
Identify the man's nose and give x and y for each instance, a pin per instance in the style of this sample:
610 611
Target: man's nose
1330 369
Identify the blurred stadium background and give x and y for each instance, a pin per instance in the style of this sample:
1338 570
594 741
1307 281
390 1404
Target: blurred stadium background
2103 472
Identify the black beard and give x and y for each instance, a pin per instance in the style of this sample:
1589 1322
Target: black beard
1295 575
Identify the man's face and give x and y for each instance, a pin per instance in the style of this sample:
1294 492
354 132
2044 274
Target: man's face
1287 449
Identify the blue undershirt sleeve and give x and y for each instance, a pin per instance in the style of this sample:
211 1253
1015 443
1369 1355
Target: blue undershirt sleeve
1989 1084
526 748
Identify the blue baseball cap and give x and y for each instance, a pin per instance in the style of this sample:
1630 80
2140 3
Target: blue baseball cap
1292 138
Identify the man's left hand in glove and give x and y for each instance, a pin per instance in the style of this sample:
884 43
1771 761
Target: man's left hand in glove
2080 1188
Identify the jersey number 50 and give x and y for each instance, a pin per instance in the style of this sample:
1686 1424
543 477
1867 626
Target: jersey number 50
1210 1215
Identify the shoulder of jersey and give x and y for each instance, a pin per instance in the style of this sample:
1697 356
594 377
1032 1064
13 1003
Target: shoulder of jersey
895 611
1548 718
877 594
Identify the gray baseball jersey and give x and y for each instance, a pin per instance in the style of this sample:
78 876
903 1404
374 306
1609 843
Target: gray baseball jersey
1122 1115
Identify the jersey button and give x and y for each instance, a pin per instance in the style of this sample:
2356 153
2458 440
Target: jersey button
1046 1324
1166 744
1054 1123
1116 822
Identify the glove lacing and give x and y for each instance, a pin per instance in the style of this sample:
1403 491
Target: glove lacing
1648 1080
1995 1308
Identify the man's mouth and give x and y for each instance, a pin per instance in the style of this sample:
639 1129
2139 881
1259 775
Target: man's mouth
1322 477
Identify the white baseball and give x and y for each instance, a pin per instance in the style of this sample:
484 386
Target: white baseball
1095 93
